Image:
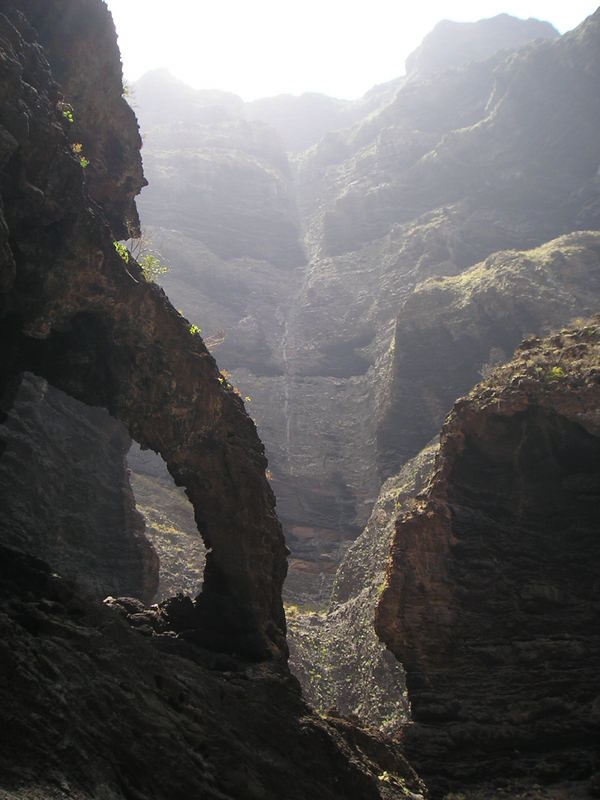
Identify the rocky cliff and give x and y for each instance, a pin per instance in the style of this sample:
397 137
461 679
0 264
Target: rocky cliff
452 329
66 496
335 653
451 44
92 708
74 313
428 178
118 700
491 601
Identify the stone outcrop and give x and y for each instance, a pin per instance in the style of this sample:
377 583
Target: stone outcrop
92 708
119 700
452 329
82 33
66 496
491 602
72 312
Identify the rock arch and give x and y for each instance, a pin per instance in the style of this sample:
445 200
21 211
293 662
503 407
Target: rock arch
74 313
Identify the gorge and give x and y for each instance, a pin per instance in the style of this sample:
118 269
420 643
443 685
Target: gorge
355 267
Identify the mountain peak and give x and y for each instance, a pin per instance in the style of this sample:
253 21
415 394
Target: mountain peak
451 44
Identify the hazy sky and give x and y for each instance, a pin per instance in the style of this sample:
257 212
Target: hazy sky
258 48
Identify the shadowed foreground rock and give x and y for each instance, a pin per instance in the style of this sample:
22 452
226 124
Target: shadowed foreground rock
73 312
492 601
66 496
93 709
119 701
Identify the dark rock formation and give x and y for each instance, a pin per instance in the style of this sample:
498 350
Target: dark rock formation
492 601
92 708
72 312
451 44
66 497
450 329
82 34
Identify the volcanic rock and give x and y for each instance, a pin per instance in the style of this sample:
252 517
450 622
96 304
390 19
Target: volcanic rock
336 654
453 329
75 314
92 707
491 602
66 496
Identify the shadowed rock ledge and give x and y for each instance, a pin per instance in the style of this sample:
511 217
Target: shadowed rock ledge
492 601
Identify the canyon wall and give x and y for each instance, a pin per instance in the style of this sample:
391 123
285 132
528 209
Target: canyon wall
424 177
75 314
491 599
119 700
66 496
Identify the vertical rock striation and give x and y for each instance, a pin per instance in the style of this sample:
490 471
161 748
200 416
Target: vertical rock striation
452 330
492 601
66 496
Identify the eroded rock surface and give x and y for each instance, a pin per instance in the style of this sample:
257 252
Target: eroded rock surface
453 329
492 600
428 178
75 314
336 654
66 496
92 708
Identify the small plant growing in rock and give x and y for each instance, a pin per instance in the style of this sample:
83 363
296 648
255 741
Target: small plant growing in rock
195 330
67 111
148 260
77 149
152 266
556 373
122 251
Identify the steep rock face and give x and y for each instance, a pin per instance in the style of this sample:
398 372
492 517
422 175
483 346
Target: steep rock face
72 313
382 205
92 708
451 170
336 655
83 33
451 44
492 600
451 328
216 177
65 494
